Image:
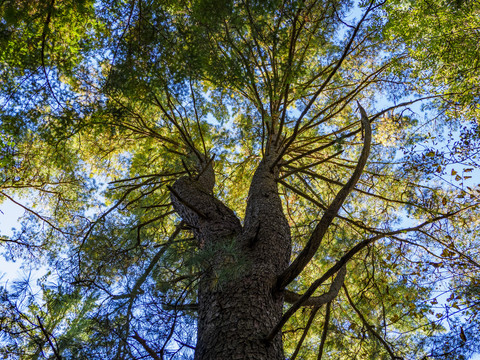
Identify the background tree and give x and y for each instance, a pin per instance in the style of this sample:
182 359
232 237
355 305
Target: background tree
228 178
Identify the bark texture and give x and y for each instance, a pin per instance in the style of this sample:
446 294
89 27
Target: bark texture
235 316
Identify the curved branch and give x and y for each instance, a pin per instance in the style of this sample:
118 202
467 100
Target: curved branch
36 214
317 301
193 200
330 213
292 297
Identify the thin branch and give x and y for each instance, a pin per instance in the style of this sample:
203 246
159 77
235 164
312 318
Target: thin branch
305 332
186 345
34 213
322 87
295 170
186 139
180 307
324 331
197 118
156 218
147 176
138 284
452 248
47 336
335 182
370 327
150 351
44 41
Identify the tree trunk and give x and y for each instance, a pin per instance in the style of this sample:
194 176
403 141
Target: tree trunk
236 313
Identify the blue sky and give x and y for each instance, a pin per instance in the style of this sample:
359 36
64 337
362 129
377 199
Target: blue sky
9 219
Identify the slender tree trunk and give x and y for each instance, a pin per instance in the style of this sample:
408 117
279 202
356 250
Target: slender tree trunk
236 314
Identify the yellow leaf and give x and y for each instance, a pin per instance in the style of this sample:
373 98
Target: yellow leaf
447 253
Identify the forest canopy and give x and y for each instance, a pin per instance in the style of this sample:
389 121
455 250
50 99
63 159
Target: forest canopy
241 179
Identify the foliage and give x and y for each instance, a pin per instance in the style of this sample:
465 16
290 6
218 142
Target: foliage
107 103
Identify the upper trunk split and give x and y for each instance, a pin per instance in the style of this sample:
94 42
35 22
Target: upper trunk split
235 315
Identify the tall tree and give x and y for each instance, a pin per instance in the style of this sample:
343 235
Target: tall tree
261 159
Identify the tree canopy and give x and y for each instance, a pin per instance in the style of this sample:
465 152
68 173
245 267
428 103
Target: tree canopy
363 114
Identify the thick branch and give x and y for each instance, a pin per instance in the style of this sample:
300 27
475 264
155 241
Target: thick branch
321 229
186 203
193 199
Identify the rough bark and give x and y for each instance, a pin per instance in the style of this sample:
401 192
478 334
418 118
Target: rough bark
235 315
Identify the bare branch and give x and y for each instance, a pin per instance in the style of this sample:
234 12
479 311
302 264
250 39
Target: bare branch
322 87
181 307
34 213
295 170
